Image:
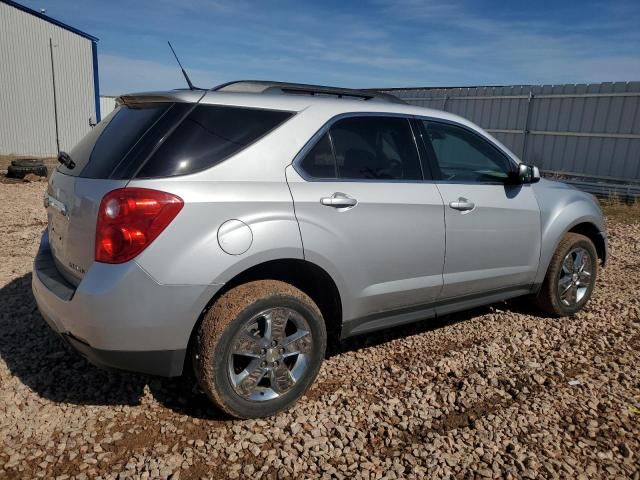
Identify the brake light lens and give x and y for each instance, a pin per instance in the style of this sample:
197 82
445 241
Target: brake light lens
130 219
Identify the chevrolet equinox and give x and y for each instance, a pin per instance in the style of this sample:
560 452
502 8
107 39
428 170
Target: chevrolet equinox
235 230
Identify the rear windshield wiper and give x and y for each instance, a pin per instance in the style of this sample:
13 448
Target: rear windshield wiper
65 159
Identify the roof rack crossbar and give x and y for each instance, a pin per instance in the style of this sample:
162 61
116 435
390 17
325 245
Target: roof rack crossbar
262 86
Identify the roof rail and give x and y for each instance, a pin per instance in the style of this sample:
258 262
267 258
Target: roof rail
265 86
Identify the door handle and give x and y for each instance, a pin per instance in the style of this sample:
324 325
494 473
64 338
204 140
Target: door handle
339 200
462 204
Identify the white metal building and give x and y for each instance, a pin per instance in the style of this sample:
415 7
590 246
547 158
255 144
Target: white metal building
49 90
107 105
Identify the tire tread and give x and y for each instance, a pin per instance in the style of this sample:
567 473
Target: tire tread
223 312
546 299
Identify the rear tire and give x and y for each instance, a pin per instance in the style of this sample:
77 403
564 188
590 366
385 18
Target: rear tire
570 278
259 348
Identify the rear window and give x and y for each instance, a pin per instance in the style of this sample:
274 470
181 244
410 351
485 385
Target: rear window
209 135
103 148
165 139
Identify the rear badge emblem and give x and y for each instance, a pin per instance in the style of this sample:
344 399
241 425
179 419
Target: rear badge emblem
77 268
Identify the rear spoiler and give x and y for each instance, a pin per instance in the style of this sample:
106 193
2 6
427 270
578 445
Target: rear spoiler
179 96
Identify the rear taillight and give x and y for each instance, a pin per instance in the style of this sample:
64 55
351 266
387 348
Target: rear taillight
130 219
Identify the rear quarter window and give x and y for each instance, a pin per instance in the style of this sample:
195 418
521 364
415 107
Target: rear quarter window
209 135
320 162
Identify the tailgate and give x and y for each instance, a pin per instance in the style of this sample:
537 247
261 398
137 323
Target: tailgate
102 161
72 211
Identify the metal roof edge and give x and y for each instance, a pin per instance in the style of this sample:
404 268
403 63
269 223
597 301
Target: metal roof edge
46 18
522 85
390 89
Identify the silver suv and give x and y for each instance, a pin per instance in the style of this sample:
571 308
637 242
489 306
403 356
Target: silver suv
238 230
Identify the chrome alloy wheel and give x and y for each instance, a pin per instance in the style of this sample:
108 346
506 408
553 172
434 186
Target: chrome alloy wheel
575 276
269 354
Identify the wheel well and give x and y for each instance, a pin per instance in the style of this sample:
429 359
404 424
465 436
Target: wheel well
592 232
304 275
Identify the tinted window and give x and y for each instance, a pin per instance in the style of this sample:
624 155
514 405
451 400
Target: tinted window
375 148
319 162
209 135
104 147
147 144
465 156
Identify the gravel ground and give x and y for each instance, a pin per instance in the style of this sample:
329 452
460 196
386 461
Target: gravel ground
496 392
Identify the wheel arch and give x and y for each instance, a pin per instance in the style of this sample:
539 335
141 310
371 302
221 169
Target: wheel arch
564 209
555 232
591 231
302 274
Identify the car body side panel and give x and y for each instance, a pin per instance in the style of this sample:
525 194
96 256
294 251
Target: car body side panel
192 240
495 245
561 208
386 252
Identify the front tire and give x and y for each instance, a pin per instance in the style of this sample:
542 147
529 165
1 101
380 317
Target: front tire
571 276
259 348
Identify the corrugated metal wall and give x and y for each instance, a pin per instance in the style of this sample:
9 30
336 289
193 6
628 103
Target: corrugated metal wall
26 92
587 129
107 105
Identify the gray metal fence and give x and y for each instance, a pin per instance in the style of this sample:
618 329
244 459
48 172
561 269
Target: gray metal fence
585 130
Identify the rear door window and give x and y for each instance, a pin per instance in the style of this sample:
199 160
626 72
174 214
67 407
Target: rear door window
377 148
209 135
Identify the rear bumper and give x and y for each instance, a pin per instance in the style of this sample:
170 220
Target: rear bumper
165 363
118 316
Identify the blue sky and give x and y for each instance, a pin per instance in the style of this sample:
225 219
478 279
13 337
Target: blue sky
379 43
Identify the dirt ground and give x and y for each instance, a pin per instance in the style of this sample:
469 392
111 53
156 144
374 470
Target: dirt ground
498 392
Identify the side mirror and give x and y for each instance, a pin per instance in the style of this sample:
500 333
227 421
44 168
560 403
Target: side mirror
535 174
527 174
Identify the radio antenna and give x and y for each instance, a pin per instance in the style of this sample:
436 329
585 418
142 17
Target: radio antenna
186 77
